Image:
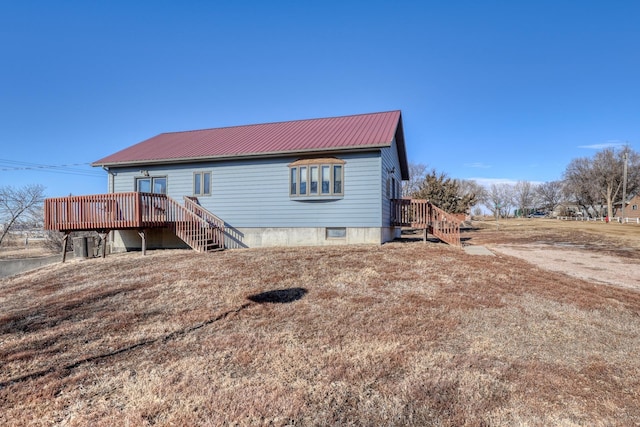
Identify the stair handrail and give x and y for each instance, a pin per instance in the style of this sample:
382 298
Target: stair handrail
191 203
187 225
421 213
217 235
444 225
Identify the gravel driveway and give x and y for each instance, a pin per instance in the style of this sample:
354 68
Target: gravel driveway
574 260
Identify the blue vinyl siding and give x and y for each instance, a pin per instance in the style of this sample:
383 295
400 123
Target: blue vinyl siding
255 193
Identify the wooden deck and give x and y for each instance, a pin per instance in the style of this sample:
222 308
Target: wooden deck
196 226
422 214
116 211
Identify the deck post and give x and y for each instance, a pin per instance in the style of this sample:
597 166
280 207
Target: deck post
103 241
425 234
65 241
144 241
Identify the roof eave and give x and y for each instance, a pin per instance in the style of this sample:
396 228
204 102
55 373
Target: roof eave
273 154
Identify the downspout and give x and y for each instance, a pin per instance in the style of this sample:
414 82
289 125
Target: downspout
110 189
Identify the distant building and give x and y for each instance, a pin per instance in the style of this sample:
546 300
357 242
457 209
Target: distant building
631 209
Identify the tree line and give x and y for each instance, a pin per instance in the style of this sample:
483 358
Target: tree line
589 185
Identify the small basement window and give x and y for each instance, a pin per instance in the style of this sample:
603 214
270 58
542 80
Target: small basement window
316 177
336 232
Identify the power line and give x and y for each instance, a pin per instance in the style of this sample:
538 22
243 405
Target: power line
68 169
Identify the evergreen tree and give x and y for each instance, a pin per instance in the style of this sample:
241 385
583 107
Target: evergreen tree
445 193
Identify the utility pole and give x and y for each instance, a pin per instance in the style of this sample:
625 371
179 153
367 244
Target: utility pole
624 184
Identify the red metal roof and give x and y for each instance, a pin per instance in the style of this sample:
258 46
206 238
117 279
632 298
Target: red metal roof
313 135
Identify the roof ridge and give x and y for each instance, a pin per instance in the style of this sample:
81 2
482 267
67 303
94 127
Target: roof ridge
279 122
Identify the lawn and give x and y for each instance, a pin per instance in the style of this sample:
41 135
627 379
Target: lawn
399 334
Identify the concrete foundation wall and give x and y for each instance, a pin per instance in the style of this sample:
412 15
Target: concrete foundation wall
390 233
256 237
127 240
307 236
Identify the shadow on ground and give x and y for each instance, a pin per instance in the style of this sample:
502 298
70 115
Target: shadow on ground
278 296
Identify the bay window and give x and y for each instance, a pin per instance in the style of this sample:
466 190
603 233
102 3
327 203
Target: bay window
316 177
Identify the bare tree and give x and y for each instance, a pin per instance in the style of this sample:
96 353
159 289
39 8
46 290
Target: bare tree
19 206
524 193
499 199
466 186
597 181
493 201
581 185
417 174
550 195
607 167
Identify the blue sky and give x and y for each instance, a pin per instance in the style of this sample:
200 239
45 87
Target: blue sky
489 90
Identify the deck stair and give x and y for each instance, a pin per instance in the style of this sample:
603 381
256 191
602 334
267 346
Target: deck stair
422 214
208 232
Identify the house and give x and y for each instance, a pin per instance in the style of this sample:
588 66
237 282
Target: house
631 209
307 182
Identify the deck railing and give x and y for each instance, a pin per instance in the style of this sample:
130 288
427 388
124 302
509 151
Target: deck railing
420 213
105 211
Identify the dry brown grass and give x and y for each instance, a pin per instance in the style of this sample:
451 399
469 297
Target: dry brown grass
15 248
399 334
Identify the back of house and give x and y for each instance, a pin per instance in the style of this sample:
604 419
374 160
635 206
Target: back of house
305 182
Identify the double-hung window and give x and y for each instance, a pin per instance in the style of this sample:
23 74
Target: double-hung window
302 189
316 178
313 179
202 183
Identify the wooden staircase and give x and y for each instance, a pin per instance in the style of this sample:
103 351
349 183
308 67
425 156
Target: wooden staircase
419 213
196 226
